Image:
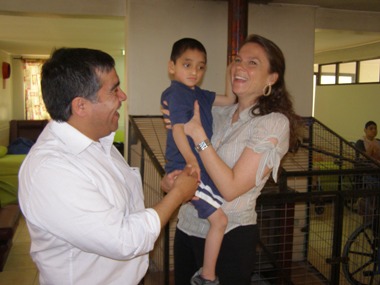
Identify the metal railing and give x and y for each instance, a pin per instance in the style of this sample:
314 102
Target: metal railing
318 224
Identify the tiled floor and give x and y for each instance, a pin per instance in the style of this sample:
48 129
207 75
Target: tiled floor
19 268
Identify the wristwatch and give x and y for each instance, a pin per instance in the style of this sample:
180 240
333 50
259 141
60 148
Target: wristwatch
202 145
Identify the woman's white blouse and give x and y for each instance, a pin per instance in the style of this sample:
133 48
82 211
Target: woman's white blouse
229 140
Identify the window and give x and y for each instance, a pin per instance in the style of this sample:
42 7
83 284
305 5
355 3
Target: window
369 71
328 74
364 71
347 73
34 105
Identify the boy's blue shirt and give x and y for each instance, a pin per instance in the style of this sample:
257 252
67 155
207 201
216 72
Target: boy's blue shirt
180 99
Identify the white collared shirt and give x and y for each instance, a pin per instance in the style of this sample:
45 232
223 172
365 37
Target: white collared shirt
85 211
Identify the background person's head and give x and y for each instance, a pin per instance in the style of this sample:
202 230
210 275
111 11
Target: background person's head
188 61
71 73
370 130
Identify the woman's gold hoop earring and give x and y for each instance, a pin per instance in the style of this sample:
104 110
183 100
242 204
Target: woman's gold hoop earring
267 90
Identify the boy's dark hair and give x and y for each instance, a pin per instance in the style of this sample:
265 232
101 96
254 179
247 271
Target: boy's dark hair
71 73
182 45
370 123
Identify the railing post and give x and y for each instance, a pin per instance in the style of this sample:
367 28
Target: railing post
337 238
237 26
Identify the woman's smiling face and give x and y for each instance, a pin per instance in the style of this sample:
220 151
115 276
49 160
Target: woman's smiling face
250 71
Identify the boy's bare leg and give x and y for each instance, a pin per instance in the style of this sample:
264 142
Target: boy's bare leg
218 223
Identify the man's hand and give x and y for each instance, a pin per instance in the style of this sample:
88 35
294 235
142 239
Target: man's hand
168 180
183 182
186 183
181 187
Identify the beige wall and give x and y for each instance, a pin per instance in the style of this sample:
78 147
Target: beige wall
18 105
346 108
154 25
296 40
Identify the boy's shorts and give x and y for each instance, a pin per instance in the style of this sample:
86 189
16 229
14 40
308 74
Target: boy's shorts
208 201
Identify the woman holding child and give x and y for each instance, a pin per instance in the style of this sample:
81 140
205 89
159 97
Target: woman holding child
250 139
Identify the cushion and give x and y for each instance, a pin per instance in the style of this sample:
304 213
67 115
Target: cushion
3 150
119 136
20 146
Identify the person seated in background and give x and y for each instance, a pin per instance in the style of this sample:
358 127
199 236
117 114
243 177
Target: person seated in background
369 143
371 146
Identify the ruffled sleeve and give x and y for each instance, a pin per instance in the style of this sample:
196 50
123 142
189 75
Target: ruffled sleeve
273 126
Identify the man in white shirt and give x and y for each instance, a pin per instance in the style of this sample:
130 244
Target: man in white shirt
82 202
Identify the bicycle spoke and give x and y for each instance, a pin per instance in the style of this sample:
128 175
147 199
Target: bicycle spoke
361 253
361 268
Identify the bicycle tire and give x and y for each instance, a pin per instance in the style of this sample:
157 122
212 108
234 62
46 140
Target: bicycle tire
360 255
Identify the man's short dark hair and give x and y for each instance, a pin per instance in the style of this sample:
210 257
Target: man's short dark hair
370 123
182 45
71 73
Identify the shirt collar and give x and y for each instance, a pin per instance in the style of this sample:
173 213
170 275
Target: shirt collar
244 116
180 84
75 141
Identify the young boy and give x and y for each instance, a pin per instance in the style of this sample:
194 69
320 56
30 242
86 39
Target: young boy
369 143
187 67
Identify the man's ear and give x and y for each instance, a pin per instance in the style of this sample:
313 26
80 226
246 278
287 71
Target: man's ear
79 106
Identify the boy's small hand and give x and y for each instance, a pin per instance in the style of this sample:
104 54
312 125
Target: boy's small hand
195 167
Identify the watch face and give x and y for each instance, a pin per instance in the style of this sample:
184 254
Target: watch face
203 145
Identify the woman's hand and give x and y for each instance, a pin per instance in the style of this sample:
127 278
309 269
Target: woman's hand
193 128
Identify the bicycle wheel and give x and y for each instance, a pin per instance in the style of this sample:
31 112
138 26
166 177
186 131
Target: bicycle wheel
361 257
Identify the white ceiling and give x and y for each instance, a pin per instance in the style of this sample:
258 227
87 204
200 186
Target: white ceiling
32 34
28 35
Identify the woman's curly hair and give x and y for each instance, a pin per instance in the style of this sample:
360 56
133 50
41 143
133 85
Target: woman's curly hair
279 100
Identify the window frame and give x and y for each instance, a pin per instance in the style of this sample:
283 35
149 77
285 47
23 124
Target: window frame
337 73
